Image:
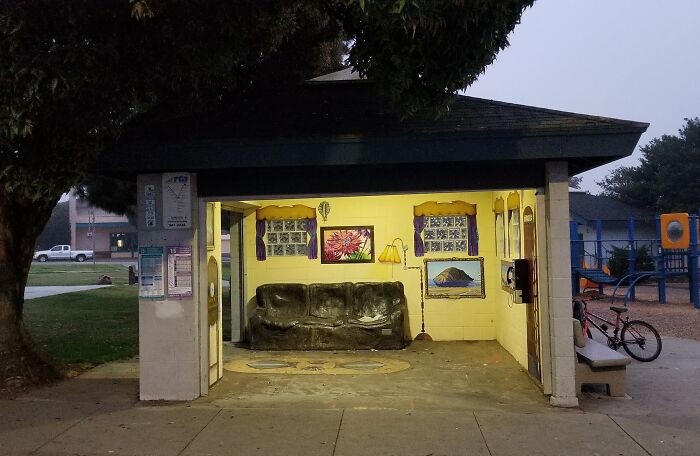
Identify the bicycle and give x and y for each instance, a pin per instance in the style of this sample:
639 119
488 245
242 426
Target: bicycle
638 338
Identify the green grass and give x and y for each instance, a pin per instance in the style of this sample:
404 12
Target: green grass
76 274
226 270
91 327
226 314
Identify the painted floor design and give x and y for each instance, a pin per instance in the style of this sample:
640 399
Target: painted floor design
335 365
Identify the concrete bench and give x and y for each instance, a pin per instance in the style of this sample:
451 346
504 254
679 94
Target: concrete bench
599 364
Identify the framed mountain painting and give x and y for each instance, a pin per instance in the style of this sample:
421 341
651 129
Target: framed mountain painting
454 278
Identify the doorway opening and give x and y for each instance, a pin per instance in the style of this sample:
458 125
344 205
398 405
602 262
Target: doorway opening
477 229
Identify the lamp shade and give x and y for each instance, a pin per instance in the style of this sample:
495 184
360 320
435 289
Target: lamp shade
390 254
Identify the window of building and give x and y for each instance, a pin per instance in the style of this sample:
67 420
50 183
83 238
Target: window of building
513 204
287 237
445 234
500 236
514 233
122 242
445 228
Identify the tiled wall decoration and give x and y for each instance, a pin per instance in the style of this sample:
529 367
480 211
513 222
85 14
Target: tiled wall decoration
287 237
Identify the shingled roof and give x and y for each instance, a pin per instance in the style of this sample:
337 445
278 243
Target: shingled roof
586 208
339 126
353 109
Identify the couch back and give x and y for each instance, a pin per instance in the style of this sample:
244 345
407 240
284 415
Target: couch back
284 299
377 298
330 300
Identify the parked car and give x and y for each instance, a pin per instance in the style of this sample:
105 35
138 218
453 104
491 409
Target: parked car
62 252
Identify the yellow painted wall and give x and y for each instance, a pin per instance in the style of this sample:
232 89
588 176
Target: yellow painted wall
213 222
391 216
511 319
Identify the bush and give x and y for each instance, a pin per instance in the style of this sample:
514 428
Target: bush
619 261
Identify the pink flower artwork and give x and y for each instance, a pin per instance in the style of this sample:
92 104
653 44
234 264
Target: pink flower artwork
347 244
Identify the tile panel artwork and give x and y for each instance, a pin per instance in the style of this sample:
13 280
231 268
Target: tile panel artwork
445 234
286 238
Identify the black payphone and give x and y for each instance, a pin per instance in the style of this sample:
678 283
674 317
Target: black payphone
515 278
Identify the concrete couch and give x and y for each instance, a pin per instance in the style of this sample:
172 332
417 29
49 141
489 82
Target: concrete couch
596 363
329 316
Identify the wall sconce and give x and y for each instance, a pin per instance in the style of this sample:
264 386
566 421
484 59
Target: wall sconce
390 254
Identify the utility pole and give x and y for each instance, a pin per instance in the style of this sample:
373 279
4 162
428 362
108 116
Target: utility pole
91 218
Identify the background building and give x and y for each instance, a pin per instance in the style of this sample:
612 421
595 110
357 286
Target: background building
109 235
586 210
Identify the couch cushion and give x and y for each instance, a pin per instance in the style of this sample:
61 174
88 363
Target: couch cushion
284 299
373 299
330 300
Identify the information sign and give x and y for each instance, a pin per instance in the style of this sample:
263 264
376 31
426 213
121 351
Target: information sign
150 205
151 284
177 201
179 272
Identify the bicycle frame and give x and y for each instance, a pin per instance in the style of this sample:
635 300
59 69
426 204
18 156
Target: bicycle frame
613 340
621 327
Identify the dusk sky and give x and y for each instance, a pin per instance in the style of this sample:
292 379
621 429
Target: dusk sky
635 60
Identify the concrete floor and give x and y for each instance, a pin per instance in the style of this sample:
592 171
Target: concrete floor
457 398
442 376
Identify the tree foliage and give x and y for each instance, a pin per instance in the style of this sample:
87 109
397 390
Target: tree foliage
575 182
619 261
420 52
667 178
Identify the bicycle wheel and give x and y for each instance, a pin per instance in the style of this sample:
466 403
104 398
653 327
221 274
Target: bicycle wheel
641 340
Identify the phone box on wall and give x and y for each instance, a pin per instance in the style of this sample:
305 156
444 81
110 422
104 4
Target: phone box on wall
515 278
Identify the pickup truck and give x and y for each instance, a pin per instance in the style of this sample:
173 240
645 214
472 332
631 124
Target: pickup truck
62 252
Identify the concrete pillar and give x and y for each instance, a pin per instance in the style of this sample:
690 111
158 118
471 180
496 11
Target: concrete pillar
559 285
543 293
169 334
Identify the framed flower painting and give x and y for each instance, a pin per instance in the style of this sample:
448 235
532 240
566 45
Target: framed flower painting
347 244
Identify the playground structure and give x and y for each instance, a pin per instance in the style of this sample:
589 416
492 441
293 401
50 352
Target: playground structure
590 259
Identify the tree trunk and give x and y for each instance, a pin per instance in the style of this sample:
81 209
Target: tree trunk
21 222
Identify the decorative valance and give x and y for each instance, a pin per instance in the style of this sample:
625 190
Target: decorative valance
435 209
513 201
498 205
444 209
296 212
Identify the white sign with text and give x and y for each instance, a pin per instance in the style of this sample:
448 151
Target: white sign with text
177 201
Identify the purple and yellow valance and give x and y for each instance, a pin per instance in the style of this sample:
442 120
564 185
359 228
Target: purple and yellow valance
296 212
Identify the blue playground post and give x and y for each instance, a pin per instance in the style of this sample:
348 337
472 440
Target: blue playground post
693 262
632 254
575 260
660 264
599 249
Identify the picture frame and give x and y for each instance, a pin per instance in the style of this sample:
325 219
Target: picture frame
455 278
347 244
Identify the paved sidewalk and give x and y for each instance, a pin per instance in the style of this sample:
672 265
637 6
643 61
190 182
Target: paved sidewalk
40 292
98 413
